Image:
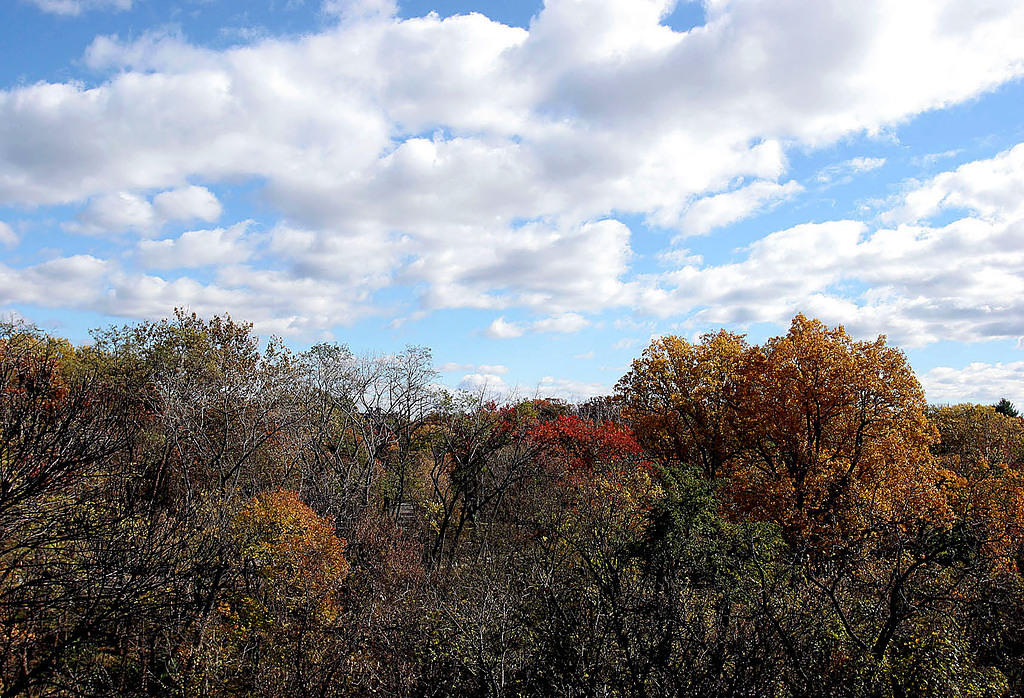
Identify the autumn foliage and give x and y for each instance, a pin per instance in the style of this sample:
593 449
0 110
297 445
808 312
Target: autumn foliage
814 431
187 511
585 446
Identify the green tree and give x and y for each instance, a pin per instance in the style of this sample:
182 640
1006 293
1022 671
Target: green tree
1005 407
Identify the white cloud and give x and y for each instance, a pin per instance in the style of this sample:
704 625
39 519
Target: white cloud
76 7
494 385
992 189
502 329
977 382
196 248
844 171
566 323
722 209
123 211
539 266
274 302
930 159
570 390
488 383
8 238
350 10
63 282
538 141
187 203
864 164
963 281
115 213
455 367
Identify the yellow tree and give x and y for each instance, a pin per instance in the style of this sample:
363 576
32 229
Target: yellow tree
682 398
276 630
984 450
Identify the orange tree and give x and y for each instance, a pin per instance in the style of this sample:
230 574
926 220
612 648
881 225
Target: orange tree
827 437
276 628
814 431
984 450
834 435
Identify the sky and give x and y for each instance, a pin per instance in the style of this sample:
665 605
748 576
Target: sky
534 190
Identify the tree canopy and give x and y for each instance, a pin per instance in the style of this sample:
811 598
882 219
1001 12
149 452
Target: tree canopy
188 510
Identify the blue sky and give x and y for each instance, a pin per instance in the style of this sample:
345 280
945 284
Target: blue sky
533 190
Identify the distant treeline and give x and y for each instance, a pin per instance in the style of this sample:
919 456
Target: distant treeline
185 511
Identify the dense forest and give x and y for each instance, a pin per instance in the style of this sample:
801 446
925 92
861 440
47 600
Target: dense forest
186 510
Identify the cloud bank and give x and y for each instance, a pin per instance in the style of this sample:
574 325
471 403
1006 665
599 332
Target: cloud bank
484 166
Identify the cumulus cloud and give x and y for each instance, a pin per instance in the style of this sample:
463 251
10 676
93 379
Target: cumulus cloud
491 369
487 383
196 248
962 281
123 211
565 323
976 382
187 203
570 390
540 266
74 281
494 385
115 213
486 166
991 189
503 329
274 302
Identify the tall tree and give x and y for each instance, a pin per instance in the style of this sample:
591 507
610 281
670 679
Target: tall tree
682 399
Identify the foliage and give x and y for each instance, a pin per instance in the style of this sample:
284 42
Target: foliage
188 510
1007 408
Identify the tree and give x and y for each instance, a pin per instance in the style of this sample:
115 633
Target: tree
365 415
185 510
585 446
833 436
226 409
90 573
814 431
682 399
275 631
481 453
983 450
1005 407
58 418
827 438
